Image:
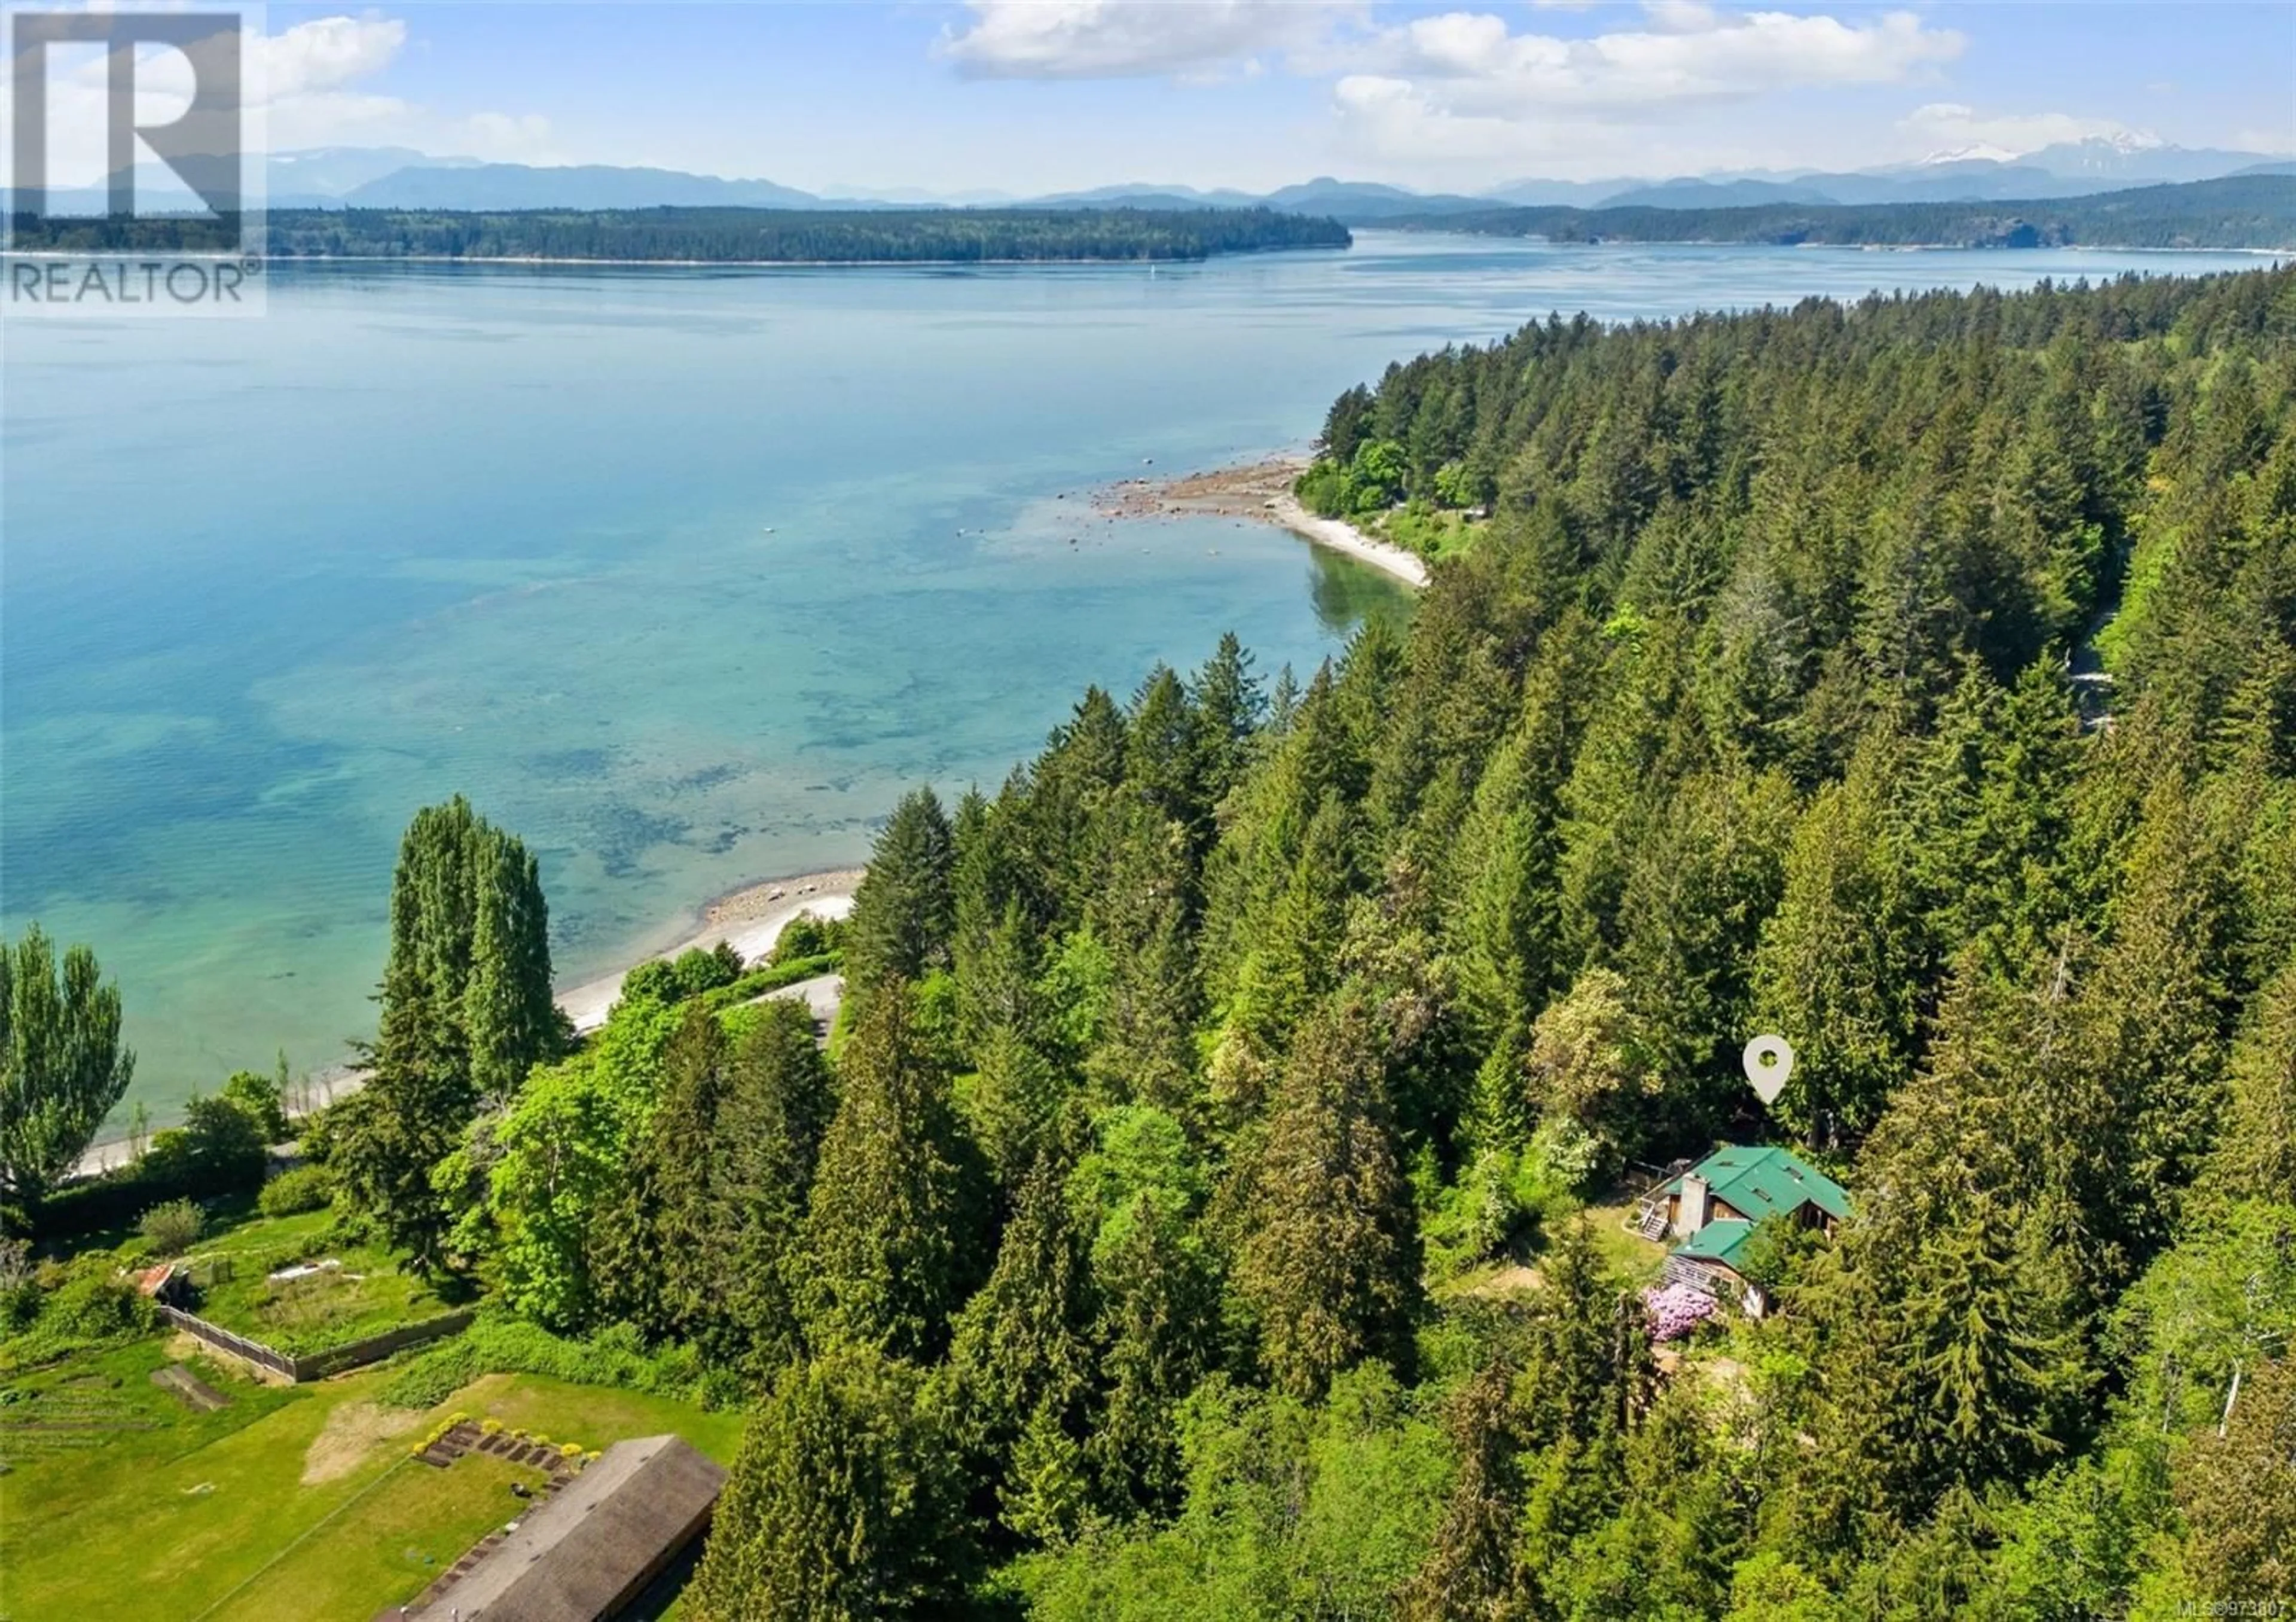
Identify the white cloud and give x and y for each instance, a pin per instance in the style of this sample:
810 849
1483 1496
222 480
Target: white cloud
1135 38
325 54
1464 88
1951 126
1469 63
306 85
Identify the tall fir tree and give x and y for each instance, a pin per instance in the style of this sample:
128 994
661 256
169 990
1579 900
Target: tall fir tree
1328 1258
840 1506
891 1242
1019 1358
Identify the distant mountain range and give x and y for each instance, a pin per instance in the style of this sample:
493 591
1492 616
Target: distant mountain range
399 177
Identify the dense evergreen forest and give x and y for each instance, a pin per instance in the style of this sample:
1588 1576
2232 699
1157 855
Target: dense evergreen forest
1188 1082
2238 212
725 235
1209 1202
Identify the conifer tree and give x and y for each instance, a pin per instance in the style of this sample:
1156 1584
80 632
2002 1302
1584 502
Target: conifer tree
1466 1576
1082 764
1018 1359
1160 751
1155 1333
839 1507
655 1253
1328 1259
1842 962
1229 709
889 1244
2237 1492
1698 889
1505 925
2159 1009
999 916
2255 1149
1987 817
779 1098
1140 911
904 908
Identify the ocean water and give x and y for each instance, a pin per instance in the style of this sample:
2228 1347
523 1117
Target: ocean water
686 575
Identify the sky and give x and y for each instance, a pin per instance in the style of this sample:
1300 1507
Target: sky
1023 97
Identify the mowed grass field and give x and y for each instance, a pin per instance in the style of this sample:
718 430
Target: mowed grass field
293 1505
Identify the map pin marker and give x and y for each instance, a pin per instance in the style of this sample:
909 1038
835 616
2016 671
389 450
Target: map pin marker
1768 1062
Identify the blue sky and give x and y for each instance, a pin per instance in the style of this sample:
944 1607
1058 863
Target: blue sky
1029 96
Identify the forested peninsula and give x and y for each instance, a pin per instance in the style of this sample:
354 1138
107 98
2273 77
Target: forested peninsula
2256 211
726 236
1236 1182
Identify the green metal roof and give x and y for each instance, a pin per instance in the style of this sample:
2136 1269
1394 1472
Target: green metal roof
1766 1180
1717 1242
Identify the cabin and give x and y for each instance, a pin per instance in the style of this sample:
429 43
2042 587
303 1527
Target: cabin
588 1551
1709 1210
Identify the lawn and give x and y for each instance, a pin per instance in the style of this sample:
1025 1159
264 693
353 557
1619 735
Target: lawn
364 1294
390 1545
298 1502
1633 1257
593 1415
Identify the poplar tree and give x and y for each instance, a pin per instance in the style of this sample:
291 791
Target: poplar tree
509 1016
61 1066
466 1012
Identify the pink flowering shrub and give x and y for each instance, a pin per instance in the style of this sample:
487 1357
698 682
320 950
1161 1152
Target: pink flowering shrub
1675 1310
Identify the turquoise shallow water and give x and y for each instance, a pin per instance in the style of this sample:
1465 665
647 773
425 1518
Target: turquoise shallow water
683 574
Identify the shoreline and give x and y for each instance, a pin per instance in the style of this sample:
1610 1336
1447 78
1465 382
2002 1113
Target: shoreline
1261 492
750 916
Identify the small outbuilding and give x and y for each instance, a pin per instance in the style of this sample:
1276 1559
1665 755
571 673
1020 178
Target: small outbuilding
588 1551
169 1283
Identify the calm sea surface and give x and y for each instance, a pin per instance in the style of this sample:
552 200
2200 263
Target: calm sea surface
682 574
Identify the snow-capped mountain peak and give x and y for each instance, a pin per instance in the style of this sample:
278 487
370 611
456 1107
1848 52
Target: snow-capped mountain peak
1983 151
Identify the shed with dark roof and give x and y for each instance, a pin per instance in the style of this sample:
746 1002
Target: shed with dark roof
592 1547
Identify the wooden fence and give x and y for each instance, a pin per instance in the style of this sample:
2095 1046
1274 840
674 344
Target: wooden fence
317 1365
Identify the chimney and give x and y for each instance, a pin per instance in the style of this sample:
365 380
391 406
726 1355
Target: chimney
1690 1214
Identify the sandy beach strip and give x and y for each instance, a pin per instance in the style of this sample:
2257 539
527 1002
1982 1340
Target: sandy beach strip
1261 492
751 918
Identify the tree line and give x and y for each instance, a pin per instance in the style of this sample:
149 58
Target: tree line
719 235
2236 211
